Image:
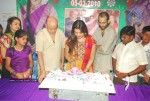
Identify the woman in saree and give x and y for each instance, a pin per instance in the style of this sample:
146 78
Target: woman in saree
80 48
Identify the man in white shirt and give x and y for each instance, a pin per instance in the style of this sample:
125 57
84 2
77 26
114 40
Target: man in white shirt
128 58
50 44
144 77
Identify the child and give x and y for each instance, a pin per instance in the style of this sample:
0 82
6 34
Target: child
144 77
19 58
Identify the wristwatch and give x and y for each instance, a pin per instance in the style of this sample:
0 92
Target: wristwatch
13 73
31 67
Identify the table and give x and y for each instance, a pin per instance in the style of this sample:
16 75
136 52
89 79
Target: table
29 91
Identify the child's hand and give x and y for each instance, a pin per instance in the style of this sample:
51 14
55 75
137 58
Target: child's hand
19 76
27 74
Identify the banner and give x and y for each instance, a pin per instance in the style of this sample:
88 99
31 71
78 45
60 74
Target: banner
33 14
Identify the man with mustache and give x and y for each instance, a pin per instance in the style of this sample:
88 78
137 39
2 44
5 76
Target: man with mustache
105 37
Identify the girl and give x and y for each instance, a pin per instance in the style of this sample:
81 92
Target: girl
80 48
7 40
19 58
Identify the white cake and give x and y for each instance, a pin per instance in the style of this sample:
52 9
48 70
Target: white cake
78 86
96 82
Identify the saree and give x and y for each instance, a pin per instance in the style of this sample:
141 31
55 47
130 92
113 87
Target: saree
38 17
6 41
81 63
36 21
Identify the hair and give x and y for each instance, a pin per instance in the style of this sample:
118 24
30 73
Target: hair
9 22
28 23
146 29
2 30
1 26
104 14
128 30
20 33
78 24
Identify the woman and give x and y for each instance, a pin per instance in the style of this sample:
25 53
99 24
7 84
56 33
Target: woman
7 40
80 48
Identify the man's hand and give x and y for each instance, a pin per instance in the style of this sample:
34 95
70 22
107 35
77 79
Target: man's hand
62 66
122 75
42 76
146 78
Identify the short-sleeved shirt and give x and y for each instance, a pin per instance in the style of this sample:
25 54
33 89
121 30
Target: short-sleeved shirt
129 57
51 50
147 51
19 59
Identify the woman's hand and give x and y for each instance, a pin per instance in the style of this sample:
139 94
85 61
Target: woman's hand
85 70
73 64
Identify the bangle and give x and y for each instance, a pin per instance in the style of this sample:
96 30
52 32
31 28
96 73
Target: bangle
31 67
13 73
128 75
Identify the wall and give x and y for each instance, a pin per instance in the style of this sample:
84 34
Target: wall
7 9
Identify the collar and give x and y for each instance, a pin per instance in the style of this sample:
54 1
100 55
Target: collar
130 43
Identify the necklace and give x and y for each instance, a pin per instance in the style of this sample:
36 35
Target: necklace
81 40
18 48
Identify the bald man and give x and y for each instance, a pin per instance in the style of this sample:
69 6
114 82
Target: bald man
50 43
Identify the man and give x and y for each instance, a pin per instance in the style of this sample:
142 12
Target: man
105 37
83 16
70 20
50 43
128 58
144 77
